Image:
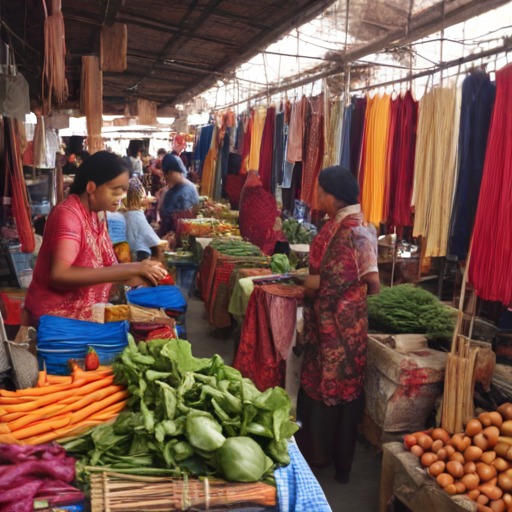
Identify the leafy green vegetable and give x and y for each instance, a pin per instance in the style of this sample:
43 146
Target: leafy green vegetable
183 412
280 264
242 460
298 232
409 309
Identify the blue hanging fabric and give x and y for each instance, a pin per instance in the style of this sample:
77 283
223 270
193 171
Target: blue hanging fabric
60 339
168 298
478 95
204 142
345 137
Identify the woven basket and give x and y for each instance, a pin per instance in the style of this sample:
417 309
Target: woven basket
24 365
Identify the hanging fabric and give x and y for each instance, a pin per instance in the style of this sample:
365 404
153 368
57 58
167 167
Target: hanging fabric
278 160
402 154
91 101
246 150
375 147
333 135
267 149
210 164
296 131
478 95
256 136
356 134
435 164
344 138
490 271
17 188
204 143
314 153
391 153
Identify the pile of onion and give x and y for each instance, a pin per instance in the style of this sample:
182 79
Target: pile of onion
477 462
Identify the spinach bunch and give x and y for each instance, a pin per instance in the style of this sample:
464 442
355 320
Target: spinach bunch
181 412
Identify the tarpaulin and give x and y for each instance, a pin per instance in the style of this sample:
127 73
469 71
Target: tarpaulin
168 298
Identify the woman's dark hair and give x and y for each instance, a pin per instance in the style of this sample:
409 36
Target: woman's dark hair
340 183
134 148
99 168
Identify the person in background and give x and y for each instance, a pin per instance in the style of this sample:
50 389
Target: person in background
133 160
75 154
77 265
141 237
182 195
343 270
179 144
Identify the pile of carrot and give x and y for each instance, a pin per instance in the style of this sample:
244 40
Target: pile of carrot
59 407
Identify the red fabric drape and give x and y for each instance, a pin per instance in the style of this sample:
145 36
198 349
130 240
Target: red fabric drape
20 204
490 268
233 190
402 163
314 156
392 153
267 149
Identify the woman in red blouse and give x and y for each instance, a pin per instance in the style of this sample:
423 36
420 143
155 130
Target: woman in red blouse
343 269
77 265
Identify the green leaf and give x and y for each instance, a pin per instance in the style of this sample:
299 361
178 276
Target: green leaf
279 451
151 375
182 451
281 416
169 399
259 430
273 399
149 418
180 351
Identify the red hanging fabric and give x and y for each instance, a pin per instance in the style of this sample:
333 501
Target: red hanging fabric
392 154
20 204
401 171
267 149
490 268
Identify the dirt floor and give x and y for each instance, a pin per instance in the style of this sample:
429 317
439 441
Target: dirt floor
362 493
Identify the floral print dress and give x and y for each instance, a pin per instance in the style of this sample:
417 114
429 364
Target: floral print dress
335 323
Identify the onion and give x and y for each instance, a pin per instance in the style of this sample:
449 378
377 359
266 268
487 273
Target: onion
505 482
501 449
481 441
450 450
458 457
451 489
498 506
471 481
426 442
485 472
436 468
427 459
437 445
491 434
506 428
417 450
507 498
500 464
441 454
469 467
488 457
485 419
474 494
461 442
455 469
491 491
496 419
508 455
473 427
506 411
410 441
440 434
473 453
444 479
460 487
482 499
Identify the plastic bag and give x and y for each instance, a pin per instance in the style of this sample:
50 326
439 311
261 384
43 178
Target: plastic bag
168 298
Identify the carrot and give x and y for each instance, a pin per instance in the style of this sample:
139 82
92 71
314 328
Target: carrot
43 378
12 416
42 427
11 401
70 400
8 439
27 418
57 379
109 411
61 432
55 397
84 413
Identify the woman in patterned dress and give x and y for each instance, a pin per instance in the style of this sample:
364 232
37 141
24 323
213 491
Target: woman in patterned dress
343 270
77 265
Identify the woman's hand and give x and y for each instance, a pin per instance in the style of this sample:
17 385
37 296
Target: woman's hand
152 271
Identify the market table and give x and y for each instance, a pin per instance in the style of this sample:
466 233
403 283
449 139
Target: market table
403 477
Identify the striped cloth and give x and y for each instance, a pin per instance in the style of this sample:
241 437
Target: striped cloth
298 489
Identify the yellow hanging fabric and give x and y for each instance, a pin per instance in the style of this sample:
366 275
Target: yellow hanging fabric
374 173
435 167
257 133
209 166
332 154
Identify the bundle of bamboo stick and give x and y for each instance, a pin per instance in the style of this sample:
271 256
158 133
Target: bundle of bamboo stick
91 101
111 491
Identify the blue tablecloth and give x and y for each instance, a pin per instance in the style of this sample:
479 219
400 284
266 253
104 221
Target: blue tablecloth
298 489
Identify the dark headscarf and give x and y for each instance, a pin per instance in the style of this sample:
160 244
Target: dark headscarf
99 168
340 183
172 162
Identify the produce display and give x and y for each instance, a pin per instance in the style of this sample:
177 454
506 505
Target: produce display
207 228
235 248
477 462
60 406
36 473
279 264
408 309
298 232
210 208
189 416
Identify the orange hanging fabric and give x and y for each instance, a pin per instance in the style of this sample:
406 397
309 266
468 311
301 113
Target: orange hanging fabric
20 204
